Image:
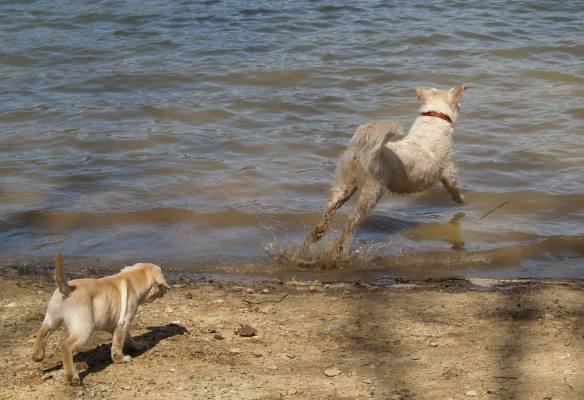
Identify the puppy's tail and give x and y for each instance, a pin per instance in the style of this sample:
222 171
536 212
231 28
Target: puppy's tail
366 143
59 277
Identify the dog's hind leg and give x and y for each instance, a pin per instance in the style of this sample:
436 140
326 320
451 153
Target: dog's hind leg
50 324
449 180
369 195
339 196
76 339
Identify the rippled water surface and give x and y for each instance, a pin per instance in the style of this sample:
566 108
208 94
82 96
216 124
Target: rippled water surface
208 133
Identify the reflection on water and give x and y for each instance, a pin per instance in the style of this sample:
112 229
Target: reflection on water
202 134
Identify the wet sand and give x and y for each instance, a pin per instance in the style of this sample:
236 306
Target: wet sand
448 339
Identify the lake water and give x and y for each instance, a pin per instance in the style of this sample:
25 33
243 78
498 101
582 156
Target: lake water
204 135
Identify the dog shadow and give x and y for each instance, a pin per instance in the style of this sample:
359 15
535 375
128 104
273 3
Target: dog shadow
99 358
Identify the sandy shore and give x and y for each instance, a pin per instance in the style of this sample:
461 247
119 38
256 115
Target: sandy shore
421 340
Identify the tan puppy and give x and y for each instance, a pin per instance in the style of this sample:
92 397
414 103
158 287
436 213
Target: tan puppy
108 304
373 164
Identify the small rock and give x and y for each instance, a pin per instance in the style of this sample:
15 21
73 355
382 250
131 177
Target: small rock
125 387
491 391
168 309
257 354
332 372
218 336
416 357
246 331
80 393
234 351
266 291
471 393
433 344
249 290
218 301
189 296
290 356
368 381
397 397
10 305
292 392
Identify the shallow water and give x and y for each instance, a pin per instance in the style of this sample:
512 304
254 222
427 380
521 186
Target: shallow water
206 134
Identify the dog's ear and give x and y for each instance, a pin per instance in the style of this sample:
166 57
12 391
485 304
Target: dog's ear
456 93
159 278
423 93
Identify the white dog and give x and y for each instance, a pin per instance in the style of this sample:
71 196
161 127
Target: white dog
108 304
372 164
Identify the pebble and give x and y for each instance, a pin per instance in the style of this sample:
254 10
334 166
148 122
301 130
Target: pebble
246 331
491 391
397 397
471 393
433 344
189 295
416 356
234 351
218 301
292 392
266 291
218 336
168 309
332 372
125 387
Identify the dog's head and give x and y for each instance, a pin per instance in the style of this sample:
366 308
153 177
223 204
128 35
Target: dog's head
444 101
150 277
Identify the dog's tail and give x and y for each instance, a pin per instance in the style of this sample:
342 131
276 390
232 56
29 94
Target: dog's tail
59 277
366 143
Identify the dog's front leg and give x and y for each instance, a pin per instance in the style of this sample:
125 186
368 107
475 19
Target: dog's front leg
118 341
449 180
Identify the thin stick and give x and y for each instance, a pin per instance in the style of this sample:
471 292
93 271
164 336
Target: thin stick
494 209
266 301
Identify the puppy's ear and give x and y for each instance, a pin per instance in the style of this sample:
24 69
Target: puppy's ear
423 93
456 93
159 278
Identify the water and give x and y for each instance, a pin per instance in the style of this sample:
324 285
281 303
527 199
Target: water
205 135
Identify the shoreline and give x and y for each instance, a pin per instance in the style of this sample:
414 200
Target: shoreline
438 339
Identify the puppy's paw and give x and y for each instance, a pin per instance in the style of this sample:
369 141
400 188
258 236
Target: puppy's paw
74 379
121 358
459 199
38 356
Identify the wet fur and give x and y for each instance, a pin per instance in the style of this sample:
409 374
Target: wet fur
373 164
109 304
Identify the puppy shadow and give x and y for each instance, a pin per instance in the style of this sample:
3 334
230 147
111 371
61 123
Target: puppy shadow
99 358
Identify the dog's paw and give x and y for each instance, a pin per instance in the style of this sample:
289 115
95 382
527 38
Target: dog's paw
74 380
38 356
121 358
459 199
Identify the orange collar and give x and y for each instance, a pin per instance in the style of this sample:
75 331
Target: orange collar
437 114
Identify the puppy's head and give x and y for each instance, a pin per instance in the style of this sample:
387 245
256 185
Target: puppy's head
158 285
444 101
